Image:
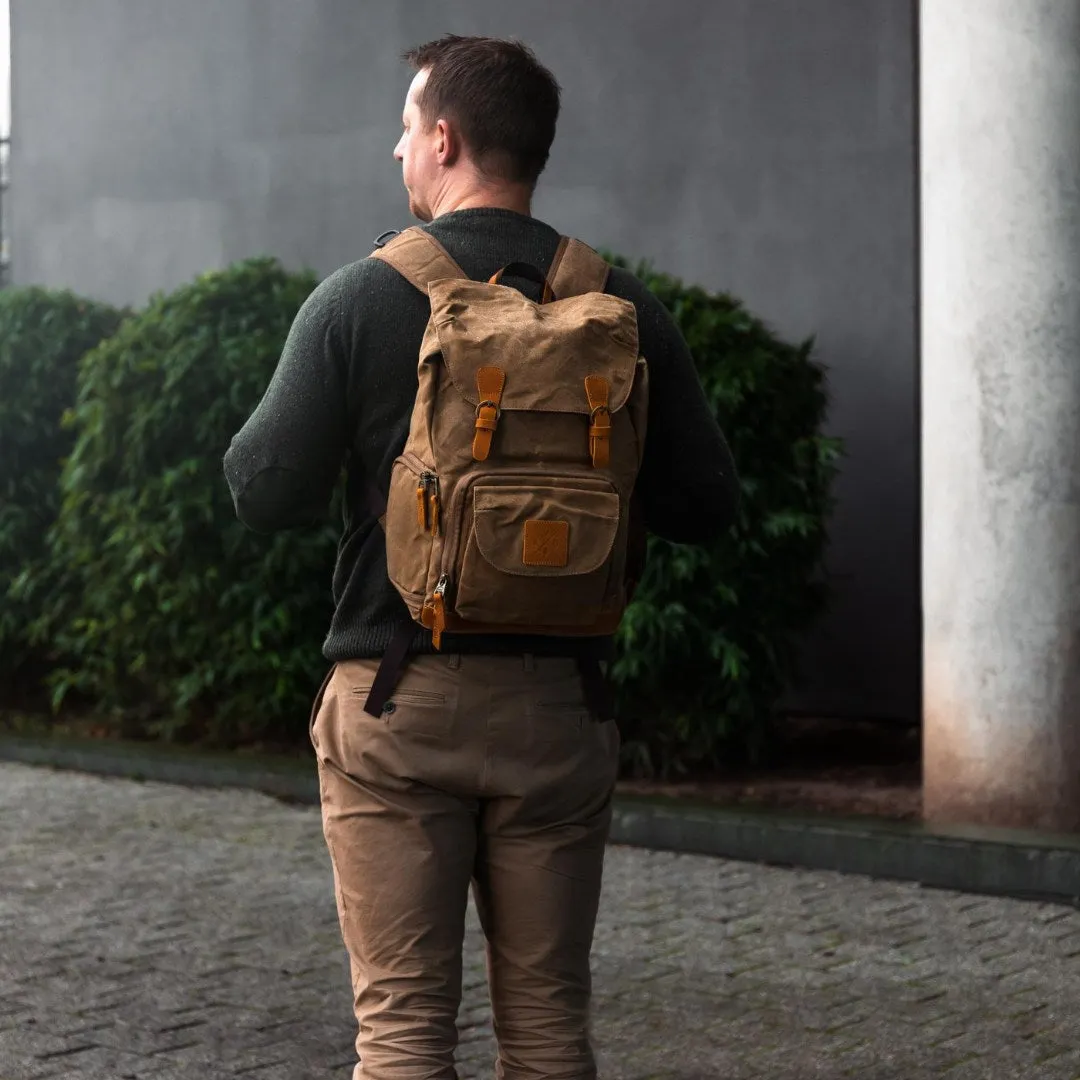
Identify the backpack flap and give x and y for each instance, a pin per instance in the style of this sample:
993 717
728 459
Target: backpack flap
546 351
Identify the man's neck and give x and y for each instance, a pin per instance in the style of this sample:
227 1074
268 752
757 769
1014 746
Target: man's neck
516 198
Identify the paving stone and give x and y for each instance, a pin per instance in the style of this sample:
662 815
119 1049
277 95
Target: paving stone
164 933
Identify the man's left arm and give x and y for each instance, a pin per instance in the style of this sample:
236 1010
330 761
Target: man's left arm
283 465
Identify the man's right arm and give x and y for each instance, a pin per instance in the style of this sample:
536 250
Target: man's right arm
688 486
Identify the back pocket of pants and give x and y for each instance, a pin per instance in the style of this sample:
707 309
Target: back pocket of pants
412 711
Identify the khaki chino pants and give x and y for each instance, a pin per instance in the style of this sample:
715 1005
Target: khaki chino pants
486 771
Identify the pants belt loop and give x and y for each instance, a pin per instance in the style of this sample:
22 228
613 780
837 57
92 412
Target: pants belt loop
453 662
529 662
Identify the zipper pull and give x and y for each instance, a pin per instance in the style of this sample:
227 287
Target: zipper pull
434 507
438 604
421 505
424 501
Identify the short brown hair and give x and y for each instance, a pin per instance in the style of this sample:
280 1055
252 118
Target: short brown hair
503 100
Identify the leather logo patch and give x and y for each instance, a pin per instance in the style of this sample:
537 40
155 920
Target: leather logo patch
547 543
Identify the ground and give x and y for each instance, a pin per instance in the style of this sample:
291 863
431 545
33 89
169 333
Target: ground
846 768
151 931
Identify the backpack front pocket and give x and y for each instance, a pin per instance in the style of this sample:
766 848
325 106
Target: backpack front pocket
538 555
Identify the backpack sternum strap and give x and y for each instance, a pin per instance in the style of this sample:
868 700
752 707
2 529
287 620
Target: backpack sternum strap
490 382
598 391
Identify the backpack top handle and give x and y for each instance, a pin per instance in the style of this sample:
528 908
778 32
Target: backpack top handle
527 273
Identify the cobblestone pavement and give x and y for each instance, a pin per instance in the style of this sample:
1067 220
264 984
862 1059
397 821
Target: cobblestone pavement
160 932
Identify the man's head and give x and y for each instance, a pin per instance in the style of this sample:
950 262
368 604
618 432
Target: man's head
479 122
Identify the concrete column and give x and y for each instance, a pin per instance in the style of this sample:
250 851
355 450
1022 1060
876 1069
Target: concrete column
1000 164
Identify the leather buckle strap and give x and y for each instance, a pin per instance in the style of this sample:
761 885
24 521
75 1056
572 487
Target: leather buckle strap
598 391
490 382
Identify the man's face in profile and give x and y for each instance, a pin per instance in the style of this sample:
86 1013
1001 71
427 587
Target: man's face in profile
417 150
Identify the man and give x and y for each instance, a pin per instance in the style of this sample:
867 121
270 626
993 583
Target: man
486 766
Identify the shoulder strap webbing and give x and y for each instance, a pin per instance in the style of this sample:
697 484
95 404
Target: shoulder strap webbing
577 269
419 258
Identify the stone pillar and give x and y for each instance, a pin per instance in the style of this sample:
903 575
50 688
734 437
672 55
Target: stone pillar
1000 199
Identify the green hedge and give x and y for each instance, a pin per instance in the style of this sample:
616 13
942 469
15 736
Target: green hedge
182 623
177 622
709 643
43 335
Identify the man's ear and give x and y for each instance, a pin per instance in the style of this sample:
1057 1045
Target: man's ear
448 144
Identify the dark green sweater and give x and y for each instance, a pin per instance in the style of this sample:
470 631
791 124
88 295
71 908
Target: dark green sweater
342 395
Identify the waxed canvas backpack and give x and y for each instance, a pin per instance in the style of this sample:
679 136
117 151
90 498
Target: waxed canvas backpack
509 510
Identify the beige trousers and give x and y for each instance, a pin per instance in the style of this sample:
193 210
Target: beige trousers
482 770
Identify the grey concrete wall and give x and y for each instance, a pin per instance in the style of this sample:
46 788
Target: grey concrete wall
745 144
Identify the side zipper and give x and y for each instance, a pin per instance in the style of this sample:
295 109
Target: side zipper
429 518
433 617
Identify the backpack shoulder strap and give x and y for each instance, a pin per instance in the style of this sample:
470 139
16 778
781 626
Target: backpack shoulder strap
577 269
419 258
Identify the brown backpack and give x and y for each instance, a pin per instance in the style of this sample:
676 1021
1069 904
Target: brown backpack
509 510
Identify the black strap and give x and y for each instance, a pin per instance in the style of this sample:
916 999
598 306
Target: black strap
393 664
598 695
396 657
